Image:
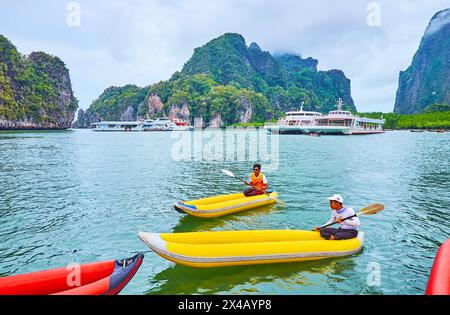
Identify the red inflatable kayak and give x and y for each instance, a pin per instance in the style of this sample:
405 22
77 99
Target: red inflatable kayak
102 278
439 282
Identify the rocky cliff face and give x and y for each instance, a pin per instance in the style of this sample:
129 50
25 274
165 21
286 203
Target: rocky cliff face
128 114
245 110
265 66
180 112
155 105
35 90
427 80
216 121
341 85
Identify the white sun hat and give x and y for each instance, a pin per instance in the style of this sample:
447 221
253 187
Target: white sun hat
337 198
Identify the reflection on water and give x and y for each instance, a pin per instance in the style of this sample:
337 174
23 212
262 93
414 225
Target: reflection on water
295 277
82 196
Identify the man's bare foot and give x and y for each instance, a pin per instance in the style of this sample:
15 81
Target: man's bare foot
332 238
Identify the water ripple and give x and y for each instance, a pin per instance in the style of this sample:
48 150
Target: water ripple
83 196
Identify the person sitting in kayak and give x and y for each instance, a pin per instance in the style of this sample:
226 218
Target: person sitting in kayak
348 229
258 181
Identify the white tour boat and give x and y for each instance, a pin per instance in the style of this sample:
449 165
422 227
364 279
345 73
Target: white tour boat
117 126
294 122
338 122
160 124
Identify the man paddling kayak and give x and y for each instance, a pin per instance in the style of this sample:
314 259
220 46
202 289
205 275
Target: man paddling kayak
348 229
258 181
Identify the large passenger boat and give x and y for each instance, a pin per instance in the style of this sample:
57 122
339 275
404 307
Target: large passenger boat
338 122
118 126
160 124
295 122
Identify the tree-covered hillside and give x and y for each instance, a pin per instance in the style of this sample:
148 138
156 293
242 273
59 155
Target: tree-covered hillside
285 80
225 82
429 120
35 90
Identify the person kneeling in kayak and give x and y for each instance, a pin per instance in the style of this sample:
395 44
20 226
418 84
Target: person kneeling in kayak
258 181
348 229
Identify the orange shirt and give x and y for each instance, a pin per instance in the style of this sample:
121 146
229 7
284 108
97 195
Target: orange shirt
259 182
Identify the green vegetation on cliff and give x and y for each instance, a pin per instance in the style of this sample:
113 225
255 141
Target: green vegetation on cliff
437 108
433 120
35 91
285 80
208 99
225 82
116 100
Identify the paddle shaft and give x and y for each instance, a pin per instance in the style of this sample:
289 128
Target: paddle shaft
325 226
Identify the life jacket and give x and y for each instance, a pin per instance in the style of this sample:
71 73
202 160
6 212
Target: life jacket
258 182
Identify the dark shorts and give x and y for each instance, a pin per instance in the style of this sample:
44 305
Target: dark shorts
252 192
339 234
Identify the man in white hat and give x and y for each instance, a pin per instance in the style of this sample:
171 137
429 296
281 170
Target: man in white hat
348 229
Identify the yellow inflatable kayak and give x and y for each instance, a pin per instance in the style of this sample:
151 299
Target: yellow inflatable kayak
219 249
223 205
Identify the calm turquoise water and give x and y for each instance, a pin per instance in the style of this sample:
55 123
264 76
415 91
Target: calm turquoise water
81 196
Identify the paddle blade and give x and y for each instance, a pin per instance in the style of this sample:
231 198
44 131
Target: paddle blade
228 173
372 209
279 201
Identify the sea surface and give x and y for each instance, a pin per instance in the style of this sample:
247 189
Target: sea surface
81 196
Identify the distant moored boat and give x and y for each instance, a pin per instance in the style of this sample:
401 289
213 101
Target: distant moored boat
160 124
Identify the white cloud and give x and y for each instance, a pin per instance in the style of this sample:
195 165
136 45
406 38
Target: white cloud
142 42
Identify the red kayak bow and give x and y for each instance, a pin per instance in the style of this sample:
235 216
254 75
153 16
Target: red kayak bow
439 282
102 278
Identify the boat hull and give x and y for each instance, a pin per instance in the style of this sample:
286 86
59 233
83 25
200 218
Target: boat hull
238 248
439 281
322 130
219 206
102 278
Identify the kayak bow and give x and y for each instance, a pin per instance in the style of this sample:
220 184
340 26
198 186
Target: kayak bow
439 282
223 205
102 278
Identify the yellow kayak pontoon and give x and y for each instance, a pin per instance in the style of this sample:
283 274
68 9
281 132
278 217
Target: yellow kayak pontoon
219 249
223 205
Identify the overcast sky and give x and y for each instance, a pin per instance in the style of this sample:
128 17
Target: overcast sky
143 42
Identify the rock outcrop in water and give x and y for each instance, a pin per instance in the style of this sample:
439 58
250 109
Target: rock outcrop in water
427 80
35 90
225 82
